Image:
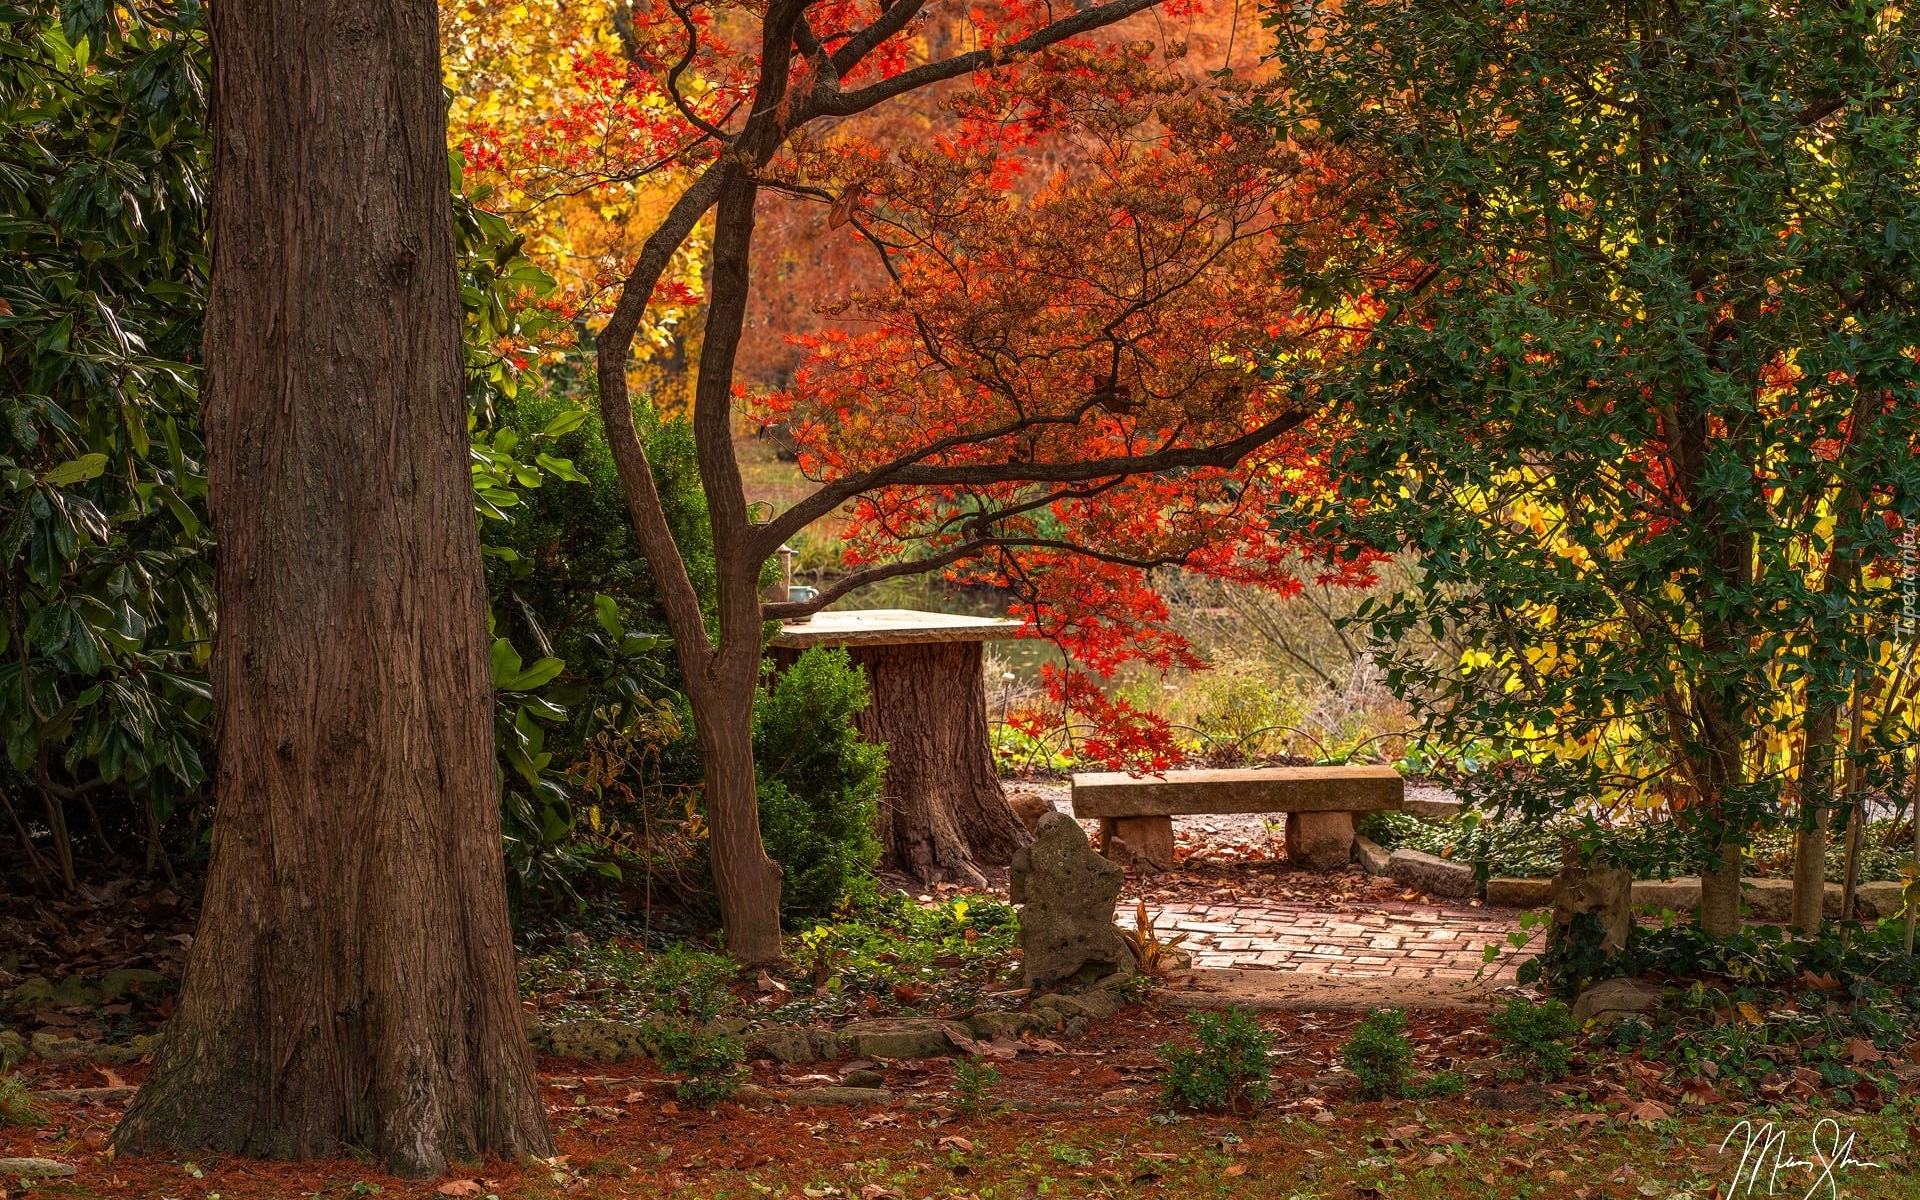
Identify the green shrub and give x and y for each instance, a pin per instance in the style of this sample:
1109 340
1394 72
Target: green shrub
1441 1085
686 994
1226 1072
1379 1054
16 1102
819 782
973 1084
707 1061
1535 1037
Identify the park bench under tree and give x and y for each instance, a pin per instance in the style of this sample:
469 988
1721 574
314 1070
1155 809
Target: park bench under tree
1136 812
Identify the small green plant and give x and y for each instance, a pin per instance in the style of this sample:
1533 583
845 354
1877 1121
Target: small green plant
1535 1038
16 1102
973 1084
1379 1054
1226 1071
707 1061
687 995
1441 1085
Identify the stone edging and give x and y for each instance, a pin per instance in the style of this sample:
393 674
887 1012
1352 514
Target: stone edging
881 1039
1767 899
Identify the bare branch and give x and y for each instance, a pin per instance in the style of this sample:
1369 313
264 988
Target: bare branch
891 21
845 104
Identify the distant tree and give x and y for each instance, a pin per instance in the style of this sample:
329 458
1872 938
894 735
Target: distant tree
352 980
1646 399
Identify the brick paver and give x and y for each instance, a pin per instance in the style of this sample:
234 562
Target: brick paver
1382 941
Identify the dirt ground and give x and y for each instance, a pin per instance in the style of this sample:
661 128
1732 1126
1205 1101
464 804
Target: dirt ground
1075 1119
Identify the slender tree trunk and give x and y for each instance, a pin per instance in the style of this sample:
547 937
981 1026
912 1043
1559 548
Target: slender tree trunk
1720 892
745 879
1810 841
352 982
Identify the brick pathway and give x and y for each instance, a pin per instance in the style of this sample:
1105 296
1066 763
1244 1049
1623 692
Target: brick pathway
1382 940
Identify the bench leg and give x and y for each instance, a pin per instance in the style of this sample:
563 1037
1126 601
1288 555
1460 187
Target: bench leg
1320 841
1143 844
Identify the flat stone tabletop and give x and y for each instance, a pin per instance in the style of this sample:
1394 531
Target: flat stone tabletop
892 627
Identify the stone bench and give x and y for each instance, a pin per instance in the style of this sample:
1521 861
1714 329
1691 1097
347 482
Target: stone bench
1136 813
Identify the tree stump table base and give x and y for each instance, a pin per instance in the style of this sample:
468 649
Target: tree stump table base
943 814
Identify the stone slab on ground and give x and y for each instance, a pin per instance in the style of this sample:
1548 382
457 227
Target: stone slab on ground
33 1168
1881 899
854 1097
1614 999
1309 993
1431 874
1371 856
1766 899
1432 804
786 1044
903 1037
1508 892
89 1095
1680 895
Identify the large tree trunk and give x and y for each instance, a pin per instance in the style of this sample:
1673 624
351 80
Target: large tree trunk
943 813
352 983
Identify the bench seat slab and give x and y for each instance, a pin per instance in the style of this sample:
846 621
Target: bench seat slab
1254 790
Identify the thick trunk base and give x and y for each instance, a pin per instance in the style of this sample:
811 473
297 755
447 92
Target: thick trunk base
352 983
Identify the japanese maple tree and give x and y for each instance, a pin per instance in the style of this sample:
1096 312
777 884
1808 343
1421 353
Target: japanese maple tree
1064 383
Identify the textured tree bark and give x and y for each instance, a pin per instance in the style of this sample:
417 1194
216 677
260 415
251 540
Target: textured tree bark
746 881
943 814
352 982
1810 844
721 680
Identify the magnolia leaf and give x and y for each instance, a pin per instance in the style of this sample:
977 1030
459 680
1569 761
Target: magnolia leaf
76 470
540 673
506 662
565 421
606 610
560 467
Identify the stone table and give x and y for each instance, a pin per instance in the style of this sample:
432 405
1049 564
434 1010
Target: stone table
943 813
